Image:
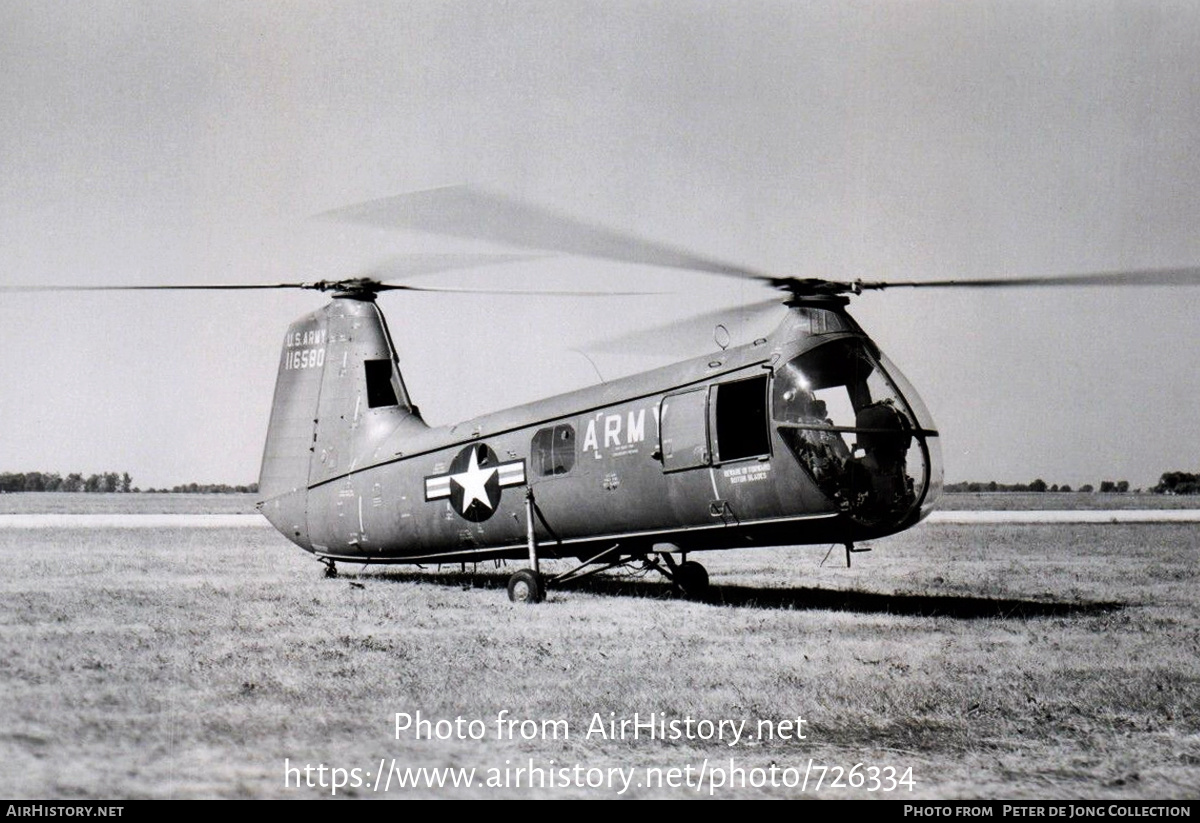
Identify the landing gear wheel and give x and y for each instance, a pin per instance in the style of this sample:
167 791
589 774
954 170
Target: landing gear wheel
526 587
330 569
692 580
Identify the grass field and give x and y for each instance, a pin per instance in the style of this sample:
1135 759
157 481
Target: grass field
141 503
1033 661
1068 501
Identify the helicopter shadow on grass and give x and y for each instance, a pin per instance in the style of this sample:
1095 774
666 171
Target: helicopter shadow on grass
797 598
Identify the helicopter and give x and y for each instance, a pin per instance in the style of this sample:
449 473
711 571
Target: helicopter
808 435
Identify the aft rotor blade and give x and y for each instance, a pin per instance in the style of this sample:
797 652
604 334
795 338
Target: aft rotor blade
461 211
395 268
1149 277
404 266
186 287
683 336
323 285
382 287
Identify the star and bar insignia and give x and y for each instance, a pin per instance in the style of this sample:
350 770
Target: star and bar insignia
474 481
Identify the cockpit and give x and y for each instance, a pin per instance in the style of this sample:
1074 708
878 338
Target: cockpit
860 431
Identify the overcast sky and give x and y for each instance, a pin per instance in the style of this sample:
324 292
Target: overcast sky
191 142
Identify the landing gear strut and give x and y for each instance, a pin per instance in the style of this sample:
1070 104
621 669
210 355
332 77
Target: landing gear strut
689 576
330 568
526 585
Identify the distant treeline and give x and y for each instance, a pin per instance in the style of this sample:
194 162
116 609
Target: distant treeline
208 488
41 482
1178 483
1170 483
107 482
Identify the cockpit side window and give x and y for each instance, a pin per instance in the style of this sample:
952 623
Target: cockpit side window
741 419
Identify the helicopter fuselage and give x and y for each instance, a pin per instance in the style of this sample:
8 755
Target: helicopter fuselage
806 436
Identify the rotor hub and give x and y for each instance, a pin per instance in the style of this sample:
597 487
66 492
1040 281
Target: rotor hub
355 288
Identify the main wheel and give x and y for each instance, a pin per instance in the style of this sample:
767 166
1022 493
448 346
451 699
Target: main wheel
692 580
525 587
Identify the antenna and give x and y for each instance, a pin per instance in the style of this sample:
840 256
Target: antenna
590 360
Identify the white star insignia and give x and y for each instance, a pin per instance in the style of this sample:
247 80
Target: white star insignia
473 482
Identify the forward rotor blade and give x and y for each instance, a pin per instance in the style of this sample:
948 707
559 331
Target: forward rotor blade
688 335
1149 277
460 211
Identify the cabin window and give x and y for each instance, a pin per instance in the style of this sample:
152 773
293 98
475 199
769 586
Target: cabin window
380 391
553 450
741 410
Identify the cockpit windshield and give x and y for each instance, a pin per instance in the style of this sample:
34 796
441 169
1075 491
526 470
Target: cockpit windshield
845 419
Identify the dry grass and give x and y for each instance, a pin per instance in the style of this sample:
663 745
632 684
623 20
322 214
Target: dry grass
1034 661
1068 501
141 503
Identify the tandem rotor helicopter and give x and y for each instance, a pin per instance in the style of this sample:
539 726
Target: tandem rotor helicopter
809 435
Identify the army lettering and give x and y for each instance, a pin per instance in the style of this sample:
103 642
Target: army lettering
619 432
304 349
